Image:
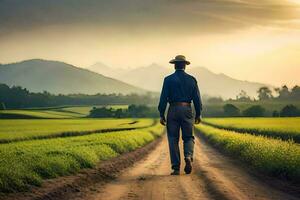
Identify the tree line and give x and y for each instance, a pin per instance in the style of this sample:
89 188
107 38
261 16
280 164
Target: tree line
281 93
264 94
133 111
16 97
231 110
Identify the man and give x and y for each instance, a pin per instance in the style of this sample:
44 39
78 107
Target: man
179 90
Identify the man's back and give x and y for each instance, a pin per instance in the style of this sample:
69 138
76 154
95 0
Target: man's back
180 87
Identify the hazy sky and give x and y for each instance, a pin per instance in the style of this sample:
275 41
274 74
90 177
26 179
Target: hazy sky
256 40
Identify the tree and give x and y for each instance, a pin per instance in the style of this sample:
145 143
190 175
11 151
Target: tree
264 93
295 93
231 110
243 96
283 92
254 111
290 111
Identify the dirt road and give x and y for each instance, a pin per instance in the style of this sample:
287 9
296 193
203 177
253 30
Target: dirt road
214 177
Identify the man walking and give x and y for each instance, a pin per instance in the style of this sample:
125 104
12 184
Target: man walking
179 90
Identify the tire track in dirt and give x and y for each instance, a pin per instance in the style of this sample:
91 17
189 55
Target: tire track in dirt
214 177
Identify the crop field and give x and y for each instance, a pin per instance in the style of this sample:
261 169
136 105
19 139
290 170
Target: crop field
25 129
82 110
29 162
47 114
283 128
271 156
63 112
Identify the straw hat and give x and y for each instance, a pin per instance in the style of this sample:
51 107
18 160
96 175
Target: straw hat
179 58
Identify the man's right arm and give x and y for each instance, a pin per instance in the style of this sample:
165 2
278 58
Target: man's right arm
197 101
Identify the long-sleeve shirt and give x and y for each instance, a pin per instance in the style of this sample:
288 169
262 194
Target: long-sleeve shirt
180 87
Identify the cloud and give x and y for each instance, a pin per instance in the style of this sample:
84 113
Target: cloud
174 16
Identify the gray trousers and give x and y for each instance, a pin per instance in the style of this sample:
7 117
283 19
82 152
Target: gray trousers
180 117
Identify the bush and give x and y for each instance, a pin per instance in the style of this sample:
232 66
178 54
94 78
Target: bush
254 111
231 110
2 106
290 111
134 111
102 112
275 113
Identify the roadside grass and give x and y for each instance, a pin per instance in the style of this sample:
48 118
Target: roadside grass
270 156
282 128
29 162
27 129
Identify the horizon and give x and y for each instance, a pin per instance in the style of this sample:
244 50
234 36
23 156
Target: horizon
256 41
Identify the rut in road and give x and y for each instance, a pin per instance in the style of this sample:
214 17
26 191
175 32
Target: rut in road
214 177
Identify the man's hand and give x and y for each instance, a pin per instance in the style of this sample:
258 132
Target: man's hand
163 121
197 120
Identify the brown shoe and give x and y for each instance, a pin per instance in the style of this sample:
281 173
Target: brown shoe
175 172
188 165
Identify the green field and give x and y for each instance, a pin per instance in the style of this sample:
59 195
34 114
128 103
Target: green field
62 112
83 110
46 114
25 129
271 156
284 128
29 162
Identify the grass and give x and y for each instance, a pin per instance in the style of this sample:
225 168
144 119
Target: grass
46 114
271 156
26 129
29 162
283 128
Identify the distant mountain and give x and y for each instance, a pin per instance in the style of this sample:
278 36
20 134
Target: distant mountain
212 84
101 68
58 77
222 85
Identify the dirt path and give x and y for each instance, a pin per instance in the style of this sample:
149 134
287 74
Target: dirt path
214 177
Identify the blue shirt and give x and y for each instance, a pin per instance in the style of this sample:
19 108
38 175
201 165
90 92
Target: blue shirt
180 87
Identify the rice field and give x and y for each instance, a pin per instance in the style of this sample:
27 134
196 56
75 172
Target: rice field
63 112
270 156
30 162
282 128
82 110
26 129
46 114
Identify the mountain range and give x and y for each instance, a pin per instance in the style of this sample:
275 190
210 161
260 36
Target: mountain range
61 78
151 78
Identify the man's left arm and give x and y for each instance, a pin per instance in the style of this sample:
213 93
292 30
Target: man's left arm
163 103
